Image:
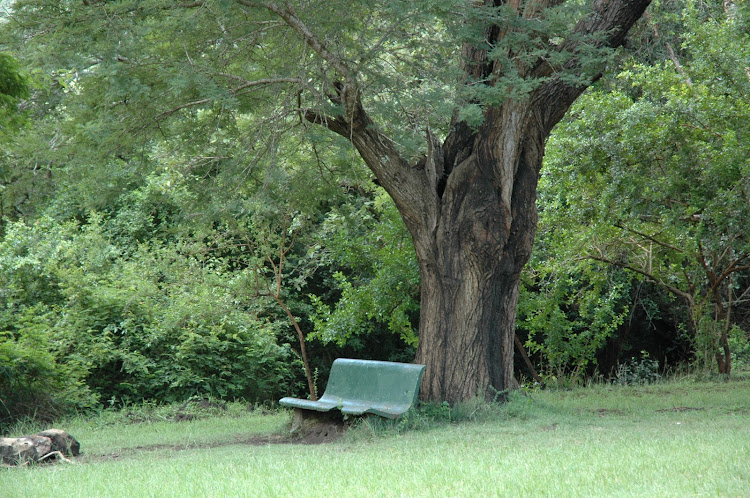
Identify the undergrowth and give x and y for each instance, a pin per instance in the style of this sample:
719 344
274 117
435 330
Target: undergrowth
146 412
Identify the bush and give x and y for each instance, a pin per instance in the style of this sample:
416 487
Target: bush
643 370
739 343
82 319
33 380
569 310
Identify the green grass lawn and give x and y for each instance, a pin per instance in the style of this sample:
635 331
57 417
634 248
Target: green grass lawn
671 439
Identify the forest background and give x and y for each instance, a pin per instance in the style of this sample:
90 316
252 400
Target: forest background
150 252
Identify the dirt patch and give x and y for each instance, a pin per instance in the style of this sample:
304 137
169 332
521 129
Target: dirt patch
320 433
311 427
603 412
237 440
680 409
315 431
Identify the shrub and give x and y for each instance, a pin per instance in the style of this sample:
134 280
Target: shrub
83 319
33 380
643 370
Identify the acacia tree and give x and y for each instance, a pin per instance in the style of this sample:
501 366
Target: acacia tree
470 202
449 104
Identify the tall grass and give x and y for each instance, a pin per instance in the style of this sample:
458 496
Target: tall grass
671 439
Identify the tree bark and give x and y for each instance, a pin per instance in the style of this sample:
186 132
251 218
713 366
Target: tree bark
471 263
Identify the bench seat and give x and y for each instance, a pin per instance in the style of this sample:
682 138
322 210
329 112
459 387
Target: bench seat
356 387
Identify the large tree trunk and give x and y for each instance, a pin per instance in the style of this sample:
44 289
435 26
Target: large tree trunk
475 361
471 263
470 204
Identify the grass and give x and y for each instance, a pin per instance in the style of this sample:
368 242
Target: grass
671 439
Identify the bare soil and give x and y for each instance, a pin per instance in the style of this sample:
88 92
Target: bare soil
681 409
316 432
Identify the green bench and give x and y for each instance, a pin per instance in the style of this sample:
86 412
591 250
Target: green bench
356 387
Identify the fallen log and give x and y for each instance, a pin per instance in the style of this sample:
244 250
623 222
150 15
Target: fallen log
43 446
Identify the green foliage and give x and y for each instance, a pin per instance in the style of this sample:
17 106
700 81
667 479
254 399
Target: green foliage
33 380
643 370
138 61
739 343
156 323
379 276
570 308
14 86
653 176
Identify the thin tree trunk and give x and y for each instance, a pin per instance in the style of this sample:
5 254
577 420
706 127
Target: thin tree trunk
727 327
527 361
723 321
725 354
302 347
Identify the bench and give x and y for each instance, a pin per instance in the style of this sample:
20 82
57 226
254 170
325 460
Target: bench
356 387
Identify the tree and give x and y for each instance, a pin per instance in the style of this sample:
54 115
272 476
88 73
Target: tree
463 175
666 182
470 204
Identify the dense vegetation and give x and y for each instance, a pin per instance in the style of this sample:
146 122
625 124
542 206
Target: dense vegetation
170 260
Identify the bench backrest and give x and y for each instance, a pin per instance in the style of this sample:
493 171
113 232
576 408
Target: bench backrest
383 381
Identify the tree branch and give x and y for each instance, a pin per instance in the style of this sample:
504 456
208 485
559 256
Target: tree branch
180 107
732 269
290 17
267 81
709 272
303 349
676 291
233 91
349 92
670 51
611 18
526 360
648 237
